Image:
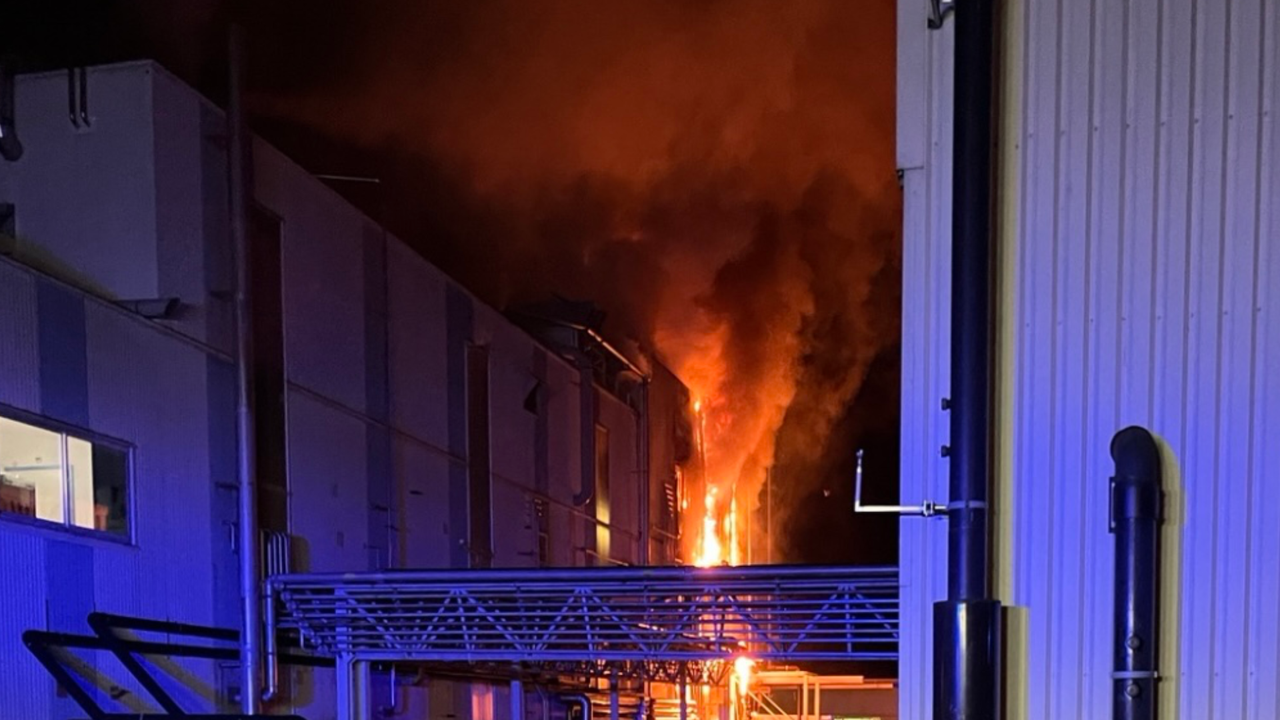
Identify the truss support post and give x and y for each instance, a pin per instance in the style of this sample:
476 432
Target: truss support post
817 698
684 695
613 697
517 700
353 688
804 698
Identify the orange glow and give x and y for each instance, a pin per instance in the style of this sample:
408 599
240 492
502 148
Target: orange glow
710 550
742 671
718 538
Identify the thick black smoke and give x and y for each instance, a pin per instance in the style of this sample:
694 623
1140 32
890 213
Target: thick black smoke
716 174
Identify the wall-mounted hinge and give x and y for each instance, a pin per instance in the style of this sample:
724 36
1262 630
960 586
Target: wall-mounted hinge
938 12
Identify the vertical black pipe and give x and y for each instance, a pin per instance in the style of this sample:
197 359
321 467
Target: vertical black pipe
10 147
1137 501
967 625
971 302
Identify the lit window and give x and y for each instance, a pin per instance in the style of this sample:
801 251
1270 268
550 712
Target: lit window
62 478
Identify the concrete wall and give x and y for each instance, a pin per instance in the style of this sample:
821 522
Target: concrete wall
1138 251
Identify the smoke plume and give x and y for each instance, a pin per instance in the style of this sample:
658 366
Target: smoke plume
717 175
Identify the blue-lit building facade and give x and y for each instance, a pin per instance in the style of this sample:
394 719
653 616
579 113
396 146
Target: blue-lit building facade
399 421
1137 226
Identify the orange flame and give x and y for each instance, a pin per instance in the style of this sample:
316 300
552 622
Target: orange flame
718 541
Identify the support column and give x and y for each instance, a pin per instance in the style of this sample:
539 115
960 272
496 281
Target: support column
353 688
684 696
613 697
817 698
517 700
804 698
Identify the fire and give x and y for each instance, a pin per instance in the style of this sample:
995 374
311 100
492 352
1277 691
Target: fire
710 549
743 667
718 542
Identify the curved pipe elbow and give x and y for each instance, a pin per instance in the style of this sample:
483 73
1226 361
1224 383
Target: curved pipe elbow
581 700
1136 455
1136 488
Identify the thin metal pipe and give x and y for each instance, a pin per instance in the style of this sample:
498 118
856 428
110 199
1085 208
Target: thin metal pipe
250 578
768 522
622 577
544 700
270 646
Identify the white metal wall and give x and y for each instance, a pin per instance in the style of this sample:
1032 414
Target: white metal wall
1141 263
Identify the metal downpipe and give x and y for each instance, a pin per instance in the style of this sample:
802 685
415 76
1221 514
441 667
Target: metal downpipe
581 700
250 579
967 644
1137 504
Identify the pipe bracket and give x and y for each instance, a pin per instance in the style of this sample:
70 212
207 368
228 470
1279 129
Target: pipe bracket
927 508
1135 675
938 12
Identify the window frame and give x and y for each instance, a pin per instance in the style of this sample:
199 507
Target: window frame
64 431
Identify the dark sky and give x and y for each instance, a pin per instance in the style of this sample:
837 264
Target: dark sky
717 174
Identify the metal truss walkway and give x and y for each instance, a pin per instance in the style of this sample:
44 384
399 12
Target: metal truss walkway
626 620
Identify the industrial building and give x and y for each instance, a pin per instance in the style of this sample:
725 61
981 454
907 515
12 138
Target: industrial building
399 421
1088 269
1134 149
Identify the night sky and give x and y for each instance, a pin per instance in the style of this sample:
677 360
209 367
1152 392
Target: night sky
717 175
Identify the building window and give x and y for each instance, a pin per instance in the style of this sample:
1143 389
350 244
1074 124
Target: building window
604 532
60 477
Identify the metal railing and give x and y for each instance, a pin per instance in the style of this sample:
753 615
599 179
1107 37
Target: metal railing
597 615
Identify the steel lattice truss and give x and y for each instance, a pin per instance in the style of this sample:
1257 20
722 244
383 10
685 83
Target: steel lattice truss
625 620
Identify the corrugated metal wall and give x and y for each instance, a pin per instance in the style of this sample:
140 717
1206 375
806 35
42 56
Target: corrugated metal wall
1141 263
924 156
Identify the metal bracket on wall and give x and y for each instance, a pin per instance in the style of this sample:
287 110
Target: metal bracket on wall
925 509
938 11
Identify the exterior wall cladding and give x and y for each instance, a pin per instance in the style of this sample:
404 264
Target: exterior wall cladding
1140 261
375 356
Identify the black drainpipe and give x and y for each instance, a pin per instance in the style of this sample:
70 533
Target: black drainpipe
10 147
967 643
1137 501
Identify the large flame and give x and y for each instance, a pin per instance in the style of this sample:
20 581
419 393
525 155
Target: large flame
718 539
719 177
